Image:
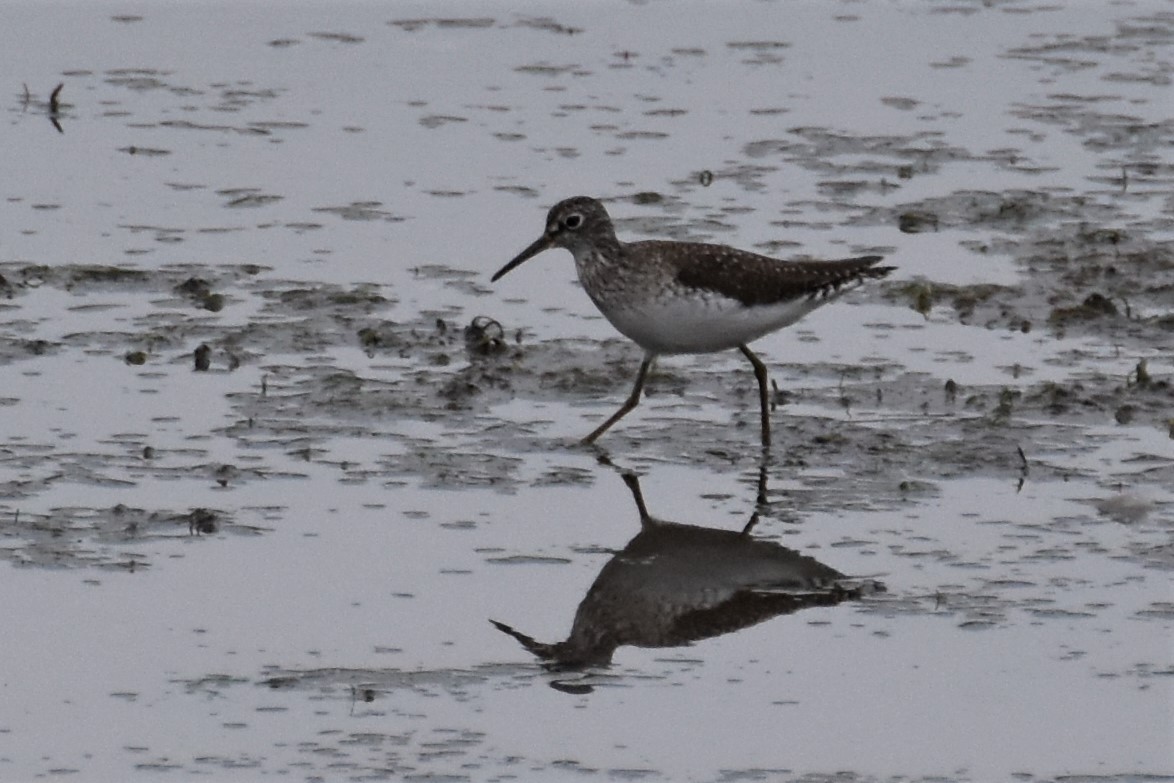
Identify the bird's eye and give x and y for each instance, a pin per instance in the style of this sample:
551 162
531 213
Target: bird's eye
573 221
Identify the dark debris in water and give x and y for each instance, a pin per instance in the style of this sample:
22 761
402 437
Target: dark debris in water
23 279
119 536
362 210
1079 280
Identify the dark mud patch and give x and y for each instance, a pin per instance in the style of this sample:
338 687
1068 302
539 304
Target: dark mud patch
119 537
1084 273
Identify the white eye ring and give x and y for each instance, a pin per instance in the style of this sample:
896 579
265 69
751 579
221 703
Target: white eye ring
573 221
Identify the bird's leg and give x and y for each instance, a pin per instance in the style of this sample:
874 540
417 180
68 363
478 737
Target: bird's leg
632 401
763 394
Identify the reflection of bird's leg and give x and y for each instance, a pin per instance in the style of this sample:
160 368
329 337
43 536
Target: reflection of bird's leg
633 483
760 500
760 504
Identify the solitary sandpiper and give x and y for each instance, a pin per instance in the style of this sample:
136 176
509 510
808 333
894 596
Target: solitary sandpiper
689 297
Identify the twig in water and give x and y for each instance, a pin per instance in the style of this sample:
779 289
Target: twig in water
55 107
1022 470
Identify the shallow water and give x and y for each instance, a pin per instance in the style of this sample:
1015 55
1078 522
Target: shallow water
286 563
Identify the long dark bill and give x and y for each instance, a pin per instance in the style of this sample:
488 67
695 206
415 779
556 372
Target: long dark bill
543 243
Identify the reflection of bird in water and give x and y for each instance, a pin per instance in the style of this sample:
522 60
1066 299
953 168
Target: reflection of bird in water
674 584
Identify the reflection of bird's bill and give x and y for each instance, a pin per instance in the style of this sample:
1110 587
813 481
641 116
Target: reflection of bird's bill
542 243
536 647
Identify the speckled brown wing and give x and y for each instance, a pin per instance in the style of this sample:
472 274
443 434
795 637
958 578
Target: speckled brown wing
759 280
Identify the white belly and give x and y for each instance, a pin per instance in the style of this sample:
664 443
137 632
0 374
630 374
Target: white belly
702 325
